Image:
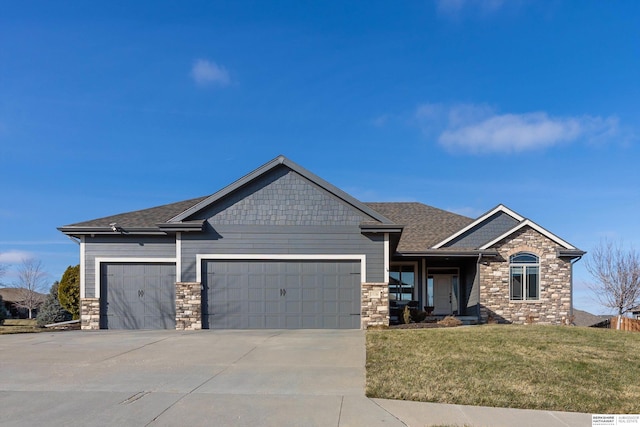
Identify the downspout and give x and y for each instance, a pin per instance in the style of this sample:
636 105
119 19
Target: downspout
478 278
573 261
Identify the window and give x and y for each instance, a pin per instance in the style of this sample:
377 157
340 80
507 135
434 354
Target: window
402 280
524 277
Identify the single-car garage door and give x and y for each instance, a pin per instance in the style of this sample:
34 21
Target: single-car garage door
137 296
241 294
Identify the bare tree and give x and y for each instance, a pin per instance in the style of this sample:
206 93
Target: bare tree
616 274
30 285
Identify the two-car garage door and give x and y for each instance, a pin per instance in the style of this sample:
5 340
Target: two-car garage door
242 294
237 294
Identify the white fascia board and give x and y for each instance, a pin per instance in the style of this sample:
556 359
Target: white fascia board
178 257
536 227
129 260
499 208
281 257
82 266
386 257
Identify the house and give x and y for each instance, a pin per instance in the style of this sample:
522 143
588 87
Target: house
584 318
13 300
636 312
283 248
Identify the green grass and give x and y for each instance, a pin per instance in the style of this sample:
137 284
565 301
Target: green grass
533 367
19 326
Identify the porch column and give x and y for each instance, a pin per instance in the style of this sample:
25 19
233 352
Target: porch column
375 305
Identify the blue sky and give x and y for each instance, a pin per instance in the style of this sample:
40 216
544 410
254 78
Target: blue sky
108 107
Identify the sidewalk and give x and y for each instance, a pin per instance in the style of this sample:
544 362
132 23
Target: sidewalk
418 414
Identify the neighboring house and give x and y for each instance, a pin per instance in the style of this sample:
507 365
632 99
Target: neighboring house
636 312
584 318
283 248
12 296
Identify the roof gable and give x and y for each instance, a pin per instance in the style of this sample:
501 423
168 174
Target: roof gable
487 230
500 212
263 172
536 227
280 197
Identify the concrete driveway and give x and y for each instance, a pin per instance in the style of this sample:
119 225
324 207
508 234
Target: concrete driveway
170 378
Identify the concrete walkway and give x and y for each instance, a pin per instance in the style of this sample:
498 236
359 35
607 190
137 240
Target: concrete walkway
216 378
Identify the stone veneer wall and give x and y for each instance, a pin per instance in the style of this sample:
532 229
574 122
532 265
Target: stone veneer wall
90 313
188 306
375 305
554 305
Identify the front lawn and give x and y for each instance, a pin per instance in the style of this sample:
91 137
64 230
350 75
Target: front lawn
533 367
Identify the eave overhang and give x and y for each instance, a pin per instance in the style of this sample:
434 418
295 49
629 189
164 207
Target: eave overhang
569 253
160 230
449 254
83 231
381 228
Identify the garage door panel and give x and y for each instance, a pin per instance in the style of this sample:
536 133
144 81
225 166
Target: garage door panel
137 296
281 294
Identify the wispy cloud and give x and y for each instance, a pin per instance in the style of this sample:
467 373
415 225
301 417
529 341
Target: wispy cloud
207 73
14 256
479 129
455 7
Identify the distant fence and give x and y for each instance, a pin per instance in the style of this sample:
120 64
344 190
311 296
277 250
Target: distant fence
627 324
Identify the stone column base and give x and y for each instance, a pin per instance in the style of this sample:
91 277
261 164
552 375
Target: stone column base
375 305
90 313
188 306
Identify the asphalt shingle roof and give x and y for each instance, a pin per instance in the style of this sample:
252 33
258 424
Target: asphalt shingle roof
425 225
145 218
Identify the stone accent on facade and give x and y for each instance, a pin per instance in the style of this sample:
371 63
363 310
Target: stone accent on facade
188 306
375 305
90 313
554 305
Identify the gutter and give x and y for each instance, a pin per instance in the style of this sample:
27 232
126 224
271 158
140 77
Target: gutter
440 253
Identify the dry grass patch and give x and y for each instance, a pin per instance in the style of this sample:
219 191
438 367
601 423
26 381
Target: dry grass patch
19 326
532 367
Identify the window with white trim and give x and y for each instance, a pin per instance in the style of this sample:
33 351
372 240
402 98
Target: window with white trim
524 280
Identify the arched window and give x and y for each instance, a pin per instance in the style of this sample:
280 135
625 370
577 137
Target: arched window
524 276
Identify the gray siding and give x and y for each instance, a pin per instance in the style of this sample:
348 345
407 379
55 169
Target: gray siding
282 197
282 213
284 240
488 230
123 247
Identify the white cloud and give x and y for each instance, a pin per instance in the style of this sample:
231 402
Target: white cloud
14 257
454 7
206 73
478 129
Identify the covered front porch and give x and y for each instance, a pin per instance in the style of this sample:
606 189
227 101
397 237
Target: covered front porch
434 286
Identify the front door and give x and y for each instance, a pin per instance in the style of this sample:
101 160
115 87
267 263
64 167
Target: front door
445 300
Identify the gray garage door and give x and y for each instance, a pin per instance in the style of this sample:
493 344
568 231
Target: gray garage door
137 296
281 294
